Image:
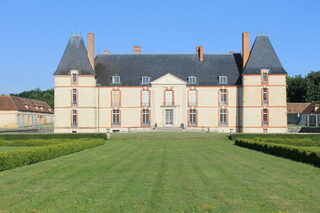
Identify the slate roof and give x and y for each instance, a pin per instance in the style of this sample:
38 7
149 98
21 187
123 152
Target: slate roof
131 67
297 107
75 57
24 104
263 56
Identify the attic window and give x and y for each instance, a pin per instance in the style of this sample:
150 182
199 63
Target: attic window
115 79
74 76
264 75
145 80
192 80
223 80
26 106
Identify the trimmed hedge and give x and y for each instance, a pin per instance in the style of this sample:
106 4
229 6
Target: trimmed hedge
39 142
13 159
307 142
51 136
279 135
302 154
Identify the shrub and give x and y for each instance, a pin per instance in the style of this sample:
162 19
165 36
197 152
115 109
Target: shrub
302 154
51 136
39 142
13 159
235 136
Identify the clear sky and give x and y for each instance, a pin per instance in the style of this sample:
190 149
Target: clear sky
34 33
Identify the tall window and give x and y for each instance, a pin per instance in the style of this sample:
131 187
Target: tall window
223 117
192 117
74 77
115 117
74 97
223 97
115 79
115 98
145 80
74 122
145 99
168 98
192 80
223 80
264 96
265 117
264 74
192 97
145 117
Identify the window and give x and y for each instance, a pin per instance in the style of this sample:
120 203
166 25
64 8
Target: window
264 96
74 76
115 79
115 98
223 80
145 99
145 117
192 80
74 97
223 117
223 97
192 117
192 97
264 73
265 117
115 117
74 122
168 98
145 80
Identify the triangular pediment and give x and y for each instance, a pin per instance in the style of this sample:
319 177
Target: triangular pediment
168 79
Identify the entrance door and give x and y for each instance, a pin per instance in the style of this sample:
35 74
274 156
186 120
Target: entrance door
169 117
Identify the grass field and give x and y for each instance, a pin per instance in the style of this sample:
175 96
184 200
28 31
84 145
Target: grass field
163 172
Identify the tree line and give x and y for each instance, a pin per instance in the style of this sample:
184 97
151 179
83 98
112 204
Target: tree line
38 94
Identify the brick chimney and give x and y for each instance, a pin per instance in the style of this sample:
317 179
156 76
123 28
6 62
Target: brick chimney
231 52
137 49
245 48
106 52
91 48
199 50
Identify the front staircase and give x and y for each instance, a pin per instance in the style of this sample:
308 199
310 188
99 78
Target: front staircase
169 129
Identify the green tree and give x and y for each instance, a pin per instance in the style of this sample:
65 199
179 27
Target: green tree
296 89
313 86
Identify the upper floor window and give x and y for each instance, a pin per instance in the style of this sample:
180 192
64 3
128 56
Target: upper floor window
264 73
74 97
223 80
74 76
192 97
168 98
145 80
223 97
264 96
115 79
145 99
115 102
192 80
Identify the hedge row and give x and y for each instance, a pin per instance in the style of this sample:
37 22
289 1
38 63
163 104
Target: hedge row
307 142
302 154
51 136
39 142
13 159
288 136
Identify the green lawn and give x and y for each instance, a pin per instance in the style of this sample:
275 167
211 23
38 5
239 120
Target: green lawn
163 172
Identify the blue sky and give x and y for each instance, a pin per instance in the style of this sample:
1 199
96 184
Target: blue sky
34 33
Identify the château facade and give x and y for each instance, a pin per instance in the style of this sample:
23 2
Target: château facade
144 92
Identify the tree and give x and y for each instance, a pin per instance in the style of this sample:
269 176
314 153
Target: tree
313 86
37 94
296 89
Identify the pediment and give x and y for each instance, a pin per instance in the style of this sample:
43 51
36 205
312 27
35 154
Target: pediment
168 79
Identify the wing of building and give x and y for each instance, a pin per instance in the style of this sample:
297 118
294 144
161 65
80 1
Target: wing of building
129 92
16 112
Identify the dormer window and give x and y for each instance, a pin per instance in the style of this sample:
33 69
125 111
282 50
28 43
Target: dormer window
192 80
115 79
74 76
223 80
264 75
145 80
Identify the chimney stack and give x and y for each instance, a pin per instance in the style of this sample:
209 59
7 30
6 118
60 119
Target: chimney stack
199 50
91 48
231 52
106 52
245 48
137 49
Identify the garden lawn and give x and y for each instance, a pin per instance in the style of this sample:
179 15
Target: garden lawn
163 172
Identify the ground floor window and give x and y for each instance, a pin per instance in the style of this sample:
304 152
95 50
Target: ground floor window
192 117
74 122
145 117
115 117
223 117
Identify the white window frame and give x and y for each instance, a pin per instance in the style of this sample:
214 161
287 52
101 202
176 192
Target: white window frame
168 101
192 80
116 79
74 76
190 101
145 80
145 98
192 117
145 117
223 97
223 79
74 122
265 96
74 101
223 117
115 117
264 75
115 98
